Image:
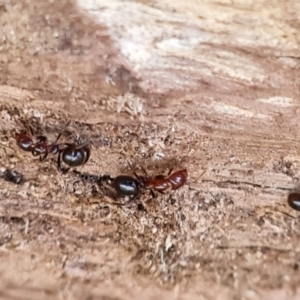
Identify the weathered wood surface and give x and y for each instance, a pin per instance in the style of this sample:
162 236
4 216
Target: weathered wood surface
209 85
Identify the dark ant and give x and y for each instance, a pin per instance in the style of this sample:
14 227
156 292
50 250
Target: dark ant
71 154
26 143
294 200
126 185
129 186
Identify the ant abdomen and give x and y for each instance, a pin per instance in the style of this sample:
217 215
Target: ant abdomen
178 179
75 156
294 200
126 185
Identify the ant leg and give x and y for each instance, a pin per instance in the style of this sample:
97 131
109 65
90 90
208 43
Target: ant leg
59 135
170 171
138 177
30 130
201 175
133 198
34 153
145 172
123 204
152 194
161 192
60 168
66 170
135 174
59 162
43 157
170 197
67 124
62 131
129 164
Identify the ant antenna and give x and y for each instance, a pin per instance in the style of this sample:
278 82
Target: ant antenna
144 170
30 130
67 124
129 164
170 171
62 131
201 175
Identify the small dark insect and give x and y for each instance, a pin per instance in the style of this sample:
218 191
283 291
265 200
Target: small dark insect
294 200
163 184
13 176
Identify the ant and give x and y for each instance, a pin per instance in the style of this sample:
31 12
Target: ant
294 200
71 154
130 186
39 147
126 185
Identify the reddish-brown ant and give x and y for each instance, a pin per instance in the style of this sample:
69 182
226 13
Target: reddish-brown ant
40 147
126 185
71 154
129 186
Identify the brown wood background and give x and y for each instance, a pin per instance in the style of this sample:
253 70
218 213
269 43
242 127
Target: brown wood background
207 85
